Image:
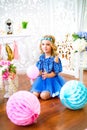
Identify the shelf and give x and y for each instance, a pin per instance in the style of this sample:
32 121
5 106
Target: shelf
12 36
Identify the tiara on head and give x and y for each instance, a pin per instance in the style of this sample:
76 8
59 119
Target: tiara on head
47 38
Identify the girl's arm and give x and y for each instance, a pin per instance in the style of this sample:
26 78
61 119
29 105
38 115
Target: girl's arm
48 75
57 65
56 59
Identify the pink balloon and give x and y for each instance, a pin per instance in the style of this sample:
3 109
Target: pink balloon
32 72
23 108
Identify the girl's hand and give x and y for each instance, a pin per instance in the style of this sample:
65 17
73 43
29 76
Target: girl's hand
40 73
44 75
56 59
47 75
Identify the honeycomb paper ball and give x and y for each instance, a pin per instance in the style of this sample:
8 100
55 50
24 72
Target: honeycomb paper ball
23 108
32 72
73 95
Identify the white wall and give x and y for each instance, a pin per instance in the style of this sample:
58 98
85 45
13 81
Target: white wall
44 17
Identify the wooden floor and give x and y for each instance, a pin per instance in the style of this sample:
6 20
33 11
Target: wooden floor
53 116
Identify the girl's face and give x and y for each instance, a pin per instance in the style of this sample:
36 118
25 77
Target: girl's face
46 46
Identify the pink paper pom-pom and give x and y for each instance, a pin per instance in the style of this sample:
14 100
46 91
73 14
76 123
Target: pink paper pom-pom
23 108
32 72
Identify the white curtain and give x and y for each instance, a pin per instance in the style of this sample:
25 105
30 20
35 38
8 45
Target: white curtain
80 14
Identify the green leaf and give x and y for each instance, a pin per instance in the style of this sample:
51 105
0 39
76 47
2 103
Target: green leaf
75 36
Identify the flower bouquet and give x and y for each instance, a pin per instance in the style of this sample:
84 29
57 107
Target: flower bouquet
79 41
80 49
8 77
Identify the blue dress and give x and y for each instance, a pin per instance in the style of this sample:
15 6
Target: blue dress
54 84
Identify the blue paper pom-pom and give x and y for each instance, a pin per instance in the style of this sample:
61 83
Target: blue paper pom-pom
73 95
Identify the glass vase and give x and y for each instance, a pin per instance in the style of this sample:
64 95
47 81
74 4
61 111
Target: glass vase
11 86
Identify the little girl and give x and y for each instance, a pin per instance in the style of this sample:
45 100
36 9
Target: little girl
48 84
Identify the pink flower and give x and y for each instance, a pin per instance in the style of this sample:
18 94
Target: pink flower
8 69
2 63
5 74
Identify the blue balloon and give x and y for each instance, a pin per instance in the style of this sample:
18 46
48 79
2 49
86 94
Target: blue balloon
73 95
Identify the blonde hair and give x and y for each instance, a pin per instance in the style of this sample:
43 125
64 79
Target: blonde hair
51 38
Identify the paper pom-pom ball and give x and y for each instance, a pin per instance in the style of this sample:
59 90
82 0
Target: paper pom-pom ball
32 72
23 108
73 95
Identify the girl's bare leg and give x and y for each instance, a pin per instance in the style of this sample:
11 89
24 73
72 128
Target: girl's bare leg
36 94
45 95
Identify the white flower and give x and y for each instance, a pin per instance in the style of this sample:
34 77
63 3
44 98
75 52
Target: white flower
79 45
4 67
